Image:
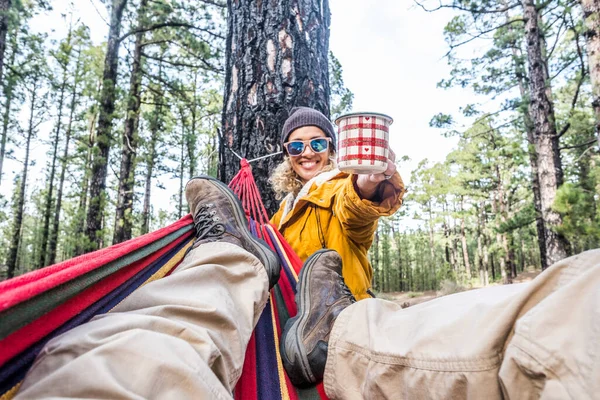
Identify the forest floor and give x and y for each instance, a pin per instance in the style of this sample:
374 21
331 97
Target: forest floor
407 299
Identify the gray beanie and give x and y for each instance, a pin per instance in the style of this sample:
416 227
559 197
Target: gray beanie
304 116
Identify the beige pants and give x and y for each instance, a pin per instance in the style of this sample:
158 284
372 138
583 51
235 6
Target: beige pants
180 337
534 340
185 336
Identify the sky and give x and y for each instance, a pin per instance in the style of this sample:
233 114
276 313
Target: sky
392 58
391 52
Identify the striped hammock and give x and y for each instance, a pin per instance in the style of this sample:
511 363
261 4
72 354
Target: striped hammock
42 304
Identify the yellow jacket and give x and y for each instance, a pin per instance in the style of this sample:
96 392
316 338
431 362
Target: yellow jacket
328 213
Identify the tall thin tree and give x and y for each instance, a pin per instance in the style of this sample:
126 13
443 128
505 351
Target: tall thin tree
104 139
53 241
124 210
4 10
63 57
9 82
33 92
541 110
591 13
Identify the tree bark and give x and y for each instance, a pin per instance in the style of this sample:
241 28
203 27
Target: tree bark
4 7
541 111
277 58
104 138
11 262
521 75
591 14
124 209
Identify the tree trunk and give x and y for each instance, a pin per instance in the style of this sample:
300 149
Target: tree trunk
463 240
4 7
85 182
124 210
431 238
11 262
454 256
53 242
480 255
541 111
591 13
104 138
43 256
146 211
191 140
507 275
446 234
155 128
154 132
9 85
499 241
277 58
376 270
521 74
181 169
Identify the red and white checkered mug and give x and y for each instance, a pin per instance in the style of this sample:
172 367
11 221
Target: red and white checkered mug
363 142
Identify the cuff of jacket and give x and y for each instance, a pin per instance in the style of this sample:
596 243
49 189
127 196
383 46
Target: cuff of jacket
388 200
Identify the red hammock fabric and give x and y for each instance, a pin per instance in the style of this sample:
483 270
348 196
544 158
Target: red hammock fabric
43 304
263 376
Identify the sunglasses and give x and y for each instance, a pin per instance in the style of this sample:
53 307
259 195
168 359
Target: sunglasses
296 147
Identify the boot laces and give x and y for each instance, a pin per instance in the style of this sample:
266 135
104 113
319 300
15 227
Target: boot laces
207 223
345 289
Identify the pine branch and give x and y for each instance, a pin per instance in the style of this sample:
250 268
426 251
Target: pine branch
584 152
471 10
214 3
205 63
557 36
166 83
169 24
98 12
173 43
575 146
579 83
481 33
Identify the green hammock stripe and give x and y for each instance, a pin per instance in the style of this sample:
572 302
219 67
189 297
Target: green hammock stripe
24 313
282 310
310 393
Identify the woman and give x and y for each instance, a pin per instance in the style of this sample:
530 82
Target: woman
326 208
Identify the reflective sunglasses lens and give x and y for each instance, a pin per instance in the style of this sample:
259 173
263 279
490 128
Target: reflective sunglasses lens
318 145
295 148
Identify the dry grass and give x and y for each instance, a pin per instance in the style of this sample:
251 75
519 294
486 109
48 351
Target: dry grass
407 299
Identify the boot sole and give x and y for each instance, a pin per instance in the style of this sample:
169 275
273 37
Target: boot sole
299 370
266 256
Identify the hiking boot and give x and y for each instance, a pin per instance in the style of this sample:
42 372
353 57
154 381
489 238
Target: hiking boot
219 216
321 296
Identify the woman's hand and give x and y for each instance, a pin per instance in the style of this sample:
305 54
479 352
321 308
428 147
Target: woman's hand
367 184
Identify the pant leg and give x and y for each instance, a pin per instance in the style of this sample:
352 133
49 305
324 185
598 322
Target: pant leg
555 350
183 336
454 346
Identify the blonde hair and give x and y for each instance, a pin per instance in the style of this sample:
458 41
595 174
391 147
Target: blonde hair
285 180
